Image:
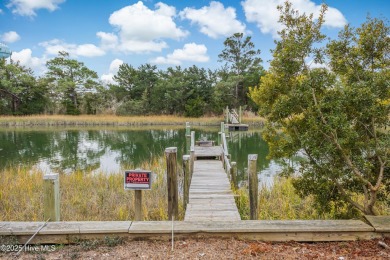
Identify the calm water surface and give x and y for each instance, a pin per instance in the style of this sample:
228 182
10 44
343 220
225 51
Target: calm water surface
108 149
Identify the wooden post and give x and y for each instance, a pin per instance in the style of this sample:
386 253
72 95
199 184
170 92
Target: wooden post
138 205
227 115
188 144
222 127
188 129
188 138
186 184
51 197
240 115
227 170
192 154
192 139
233 174
173 200
253 186
224 143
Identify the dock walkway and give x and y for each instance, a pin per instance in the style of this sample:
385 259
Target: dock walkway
210 194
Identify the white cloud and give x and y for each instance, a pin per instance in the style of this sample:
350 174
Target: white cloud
107 40
10 37
89 50
86 50
191 52
266 16
25 58
1 11
141 29
28 7
114 67
214 20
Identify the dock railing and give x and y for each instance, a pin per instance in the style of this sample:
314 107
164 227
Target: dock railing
230 167
188 163
232 116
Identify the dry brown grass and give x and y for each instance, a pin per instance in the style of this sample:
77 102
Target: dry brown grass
281 202
91 120
53 120
85 196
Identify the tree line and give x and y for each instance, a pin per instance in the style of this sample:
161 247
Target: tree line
70 87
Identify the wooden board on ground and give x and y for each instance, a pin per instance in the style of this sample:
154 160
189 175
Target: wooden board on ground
275 230
278 230
380 223
251 226
64 227
19 228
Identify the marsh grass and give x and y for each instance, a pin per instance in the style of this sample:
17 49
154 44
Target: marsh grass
278 202
111 120
63 120
85 196
281 201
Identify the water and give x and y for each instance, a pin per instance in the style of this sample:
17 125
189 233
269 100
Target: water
58 150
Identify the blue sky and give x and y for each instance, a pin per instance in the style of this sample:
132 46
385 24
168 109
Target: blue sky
104 34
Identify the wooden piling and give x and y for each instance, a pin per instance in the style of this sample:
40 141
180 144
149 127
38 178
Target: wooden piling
192 139
240 115
253 186
173 199
233 175
188 129
186 184
51 191
192 154
188 138
227 115
138 205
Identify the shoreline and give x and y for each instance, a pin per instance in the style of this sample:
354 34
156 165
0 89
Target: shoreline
55 120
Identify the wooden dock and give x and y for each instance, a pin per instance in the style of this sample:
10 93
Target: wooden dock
210 195
208 152
237 127
234 121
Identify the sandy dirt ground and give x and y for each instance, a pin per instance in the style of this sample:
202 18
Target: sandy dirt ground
210 248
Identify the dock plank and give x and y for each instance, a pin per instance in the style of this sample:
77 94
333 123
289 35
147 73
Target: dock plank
213 151
210 194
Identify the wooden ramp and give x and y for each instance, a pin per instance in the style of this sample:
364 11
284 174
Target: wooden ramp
210 196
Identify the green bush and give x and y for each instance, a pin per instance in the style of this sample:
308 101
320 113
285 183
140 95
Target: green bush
131 108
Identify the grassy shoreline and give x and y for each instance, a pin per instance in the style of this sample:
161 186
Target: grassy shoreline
85 195
88 196
112 120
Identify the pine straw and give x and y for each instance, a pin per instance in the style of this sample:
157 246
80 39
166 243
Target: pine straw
213 248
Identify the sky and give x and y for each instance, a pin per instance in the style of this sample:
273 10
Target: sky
104 34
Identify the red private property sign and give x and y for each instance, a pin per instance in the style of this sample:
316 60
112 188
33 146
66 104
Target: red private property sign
138 180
